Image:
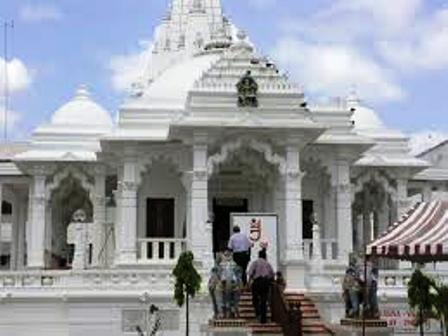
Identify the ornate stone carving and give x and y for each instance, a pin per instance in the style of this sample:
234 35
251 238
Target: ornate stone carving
247 91
99 200
200 175
232 146
344 189
129 186
67 171
39 200
293 175
374 175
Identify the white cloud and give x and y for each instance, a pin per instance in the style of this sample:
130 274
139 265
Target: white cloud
19 76
383 16
424 140
424 47
33 13
369 43
331 69
130 68
13 118
261 4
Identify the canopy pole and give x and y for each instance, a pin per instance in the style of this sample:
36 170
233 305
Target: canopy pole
365 293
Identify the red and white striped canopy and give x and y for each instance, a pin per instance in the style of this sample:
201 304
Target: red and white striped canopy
421 235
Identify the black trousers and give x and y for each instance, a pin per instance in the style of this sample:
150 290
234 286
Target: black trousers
260 294
242 260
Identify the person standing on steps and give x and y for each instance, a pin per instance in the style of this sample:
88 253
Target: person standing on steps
261 276
240 245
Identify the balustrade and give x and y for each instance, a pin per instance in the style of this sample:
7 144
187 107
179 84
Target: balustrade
59 283
328 249
160 250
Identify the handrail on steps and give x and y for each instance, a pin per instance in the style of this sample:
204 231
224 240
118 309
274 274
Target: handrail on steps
288 315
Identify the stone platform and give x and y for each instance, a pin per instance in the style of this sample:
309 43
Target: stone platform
354 327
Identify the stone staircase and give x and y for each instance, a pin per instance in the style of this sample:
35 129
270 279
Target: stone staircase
312 323
311 320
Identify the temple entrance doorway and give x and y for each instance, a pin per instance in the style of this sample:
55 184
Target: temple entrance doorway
160 217
222 208
307 210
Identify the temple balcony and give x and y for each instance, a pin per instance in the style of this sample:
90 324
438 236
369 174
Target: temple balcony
163 251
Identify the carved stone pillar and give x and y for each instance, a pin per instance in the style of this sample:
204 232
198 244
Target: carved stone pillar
427 193
200 239
36 225
1 214
293 204
402 197
21 227
127 233
99 252
295 265
340 180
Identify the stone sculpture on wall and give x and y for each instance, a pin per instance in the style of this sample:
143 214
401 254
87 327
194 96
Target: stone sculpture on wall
80 234
247 91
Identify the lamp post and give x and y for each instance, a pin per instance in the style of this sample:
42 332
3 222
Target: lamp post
150 309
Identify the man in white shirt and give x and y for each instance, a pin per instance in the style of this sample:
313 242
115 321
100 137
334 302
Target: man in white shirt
240 245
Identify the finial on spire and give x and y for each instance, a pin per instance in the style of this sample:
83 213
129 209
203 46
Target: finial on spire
353 97
82 92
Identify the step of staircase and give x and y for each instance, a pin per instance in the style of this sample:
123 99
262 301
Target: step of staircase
265 329
311 321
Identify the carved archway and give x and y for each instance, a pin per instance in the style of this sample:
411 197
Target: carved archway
75 172
67 195
374 207
232 146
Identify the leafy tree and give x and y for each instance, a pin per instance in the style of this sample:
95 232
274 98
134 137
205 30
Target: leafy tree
440 301
420 297
188 282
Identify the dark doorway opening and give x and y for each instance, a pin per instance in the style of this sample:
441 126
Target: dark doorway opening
160 217
222 208
307 211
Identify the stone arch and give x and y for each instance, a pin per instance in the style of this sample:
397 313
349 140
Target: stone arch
173 159
67 171
161 178
374 207
259 146
379 177
243 175
69 192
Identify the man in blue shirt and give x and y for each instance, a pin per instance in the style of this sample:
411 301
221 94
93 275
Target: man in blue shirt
240 244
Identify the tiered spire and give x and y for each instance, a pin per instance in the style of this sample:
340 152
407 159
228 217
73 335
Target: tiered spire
189 28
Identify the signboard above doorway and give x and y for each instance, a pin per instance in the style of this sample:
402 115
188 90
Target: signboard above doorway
262 230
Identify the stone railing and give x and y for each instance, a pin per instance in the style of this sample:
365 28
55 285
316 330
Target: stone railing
327 249
392 283
74 283
160 250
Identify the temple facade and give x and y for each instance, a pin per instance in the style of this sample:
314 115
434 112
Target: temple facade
211 128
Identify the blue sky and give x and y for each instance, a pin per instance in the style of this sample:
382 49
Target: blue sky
394 52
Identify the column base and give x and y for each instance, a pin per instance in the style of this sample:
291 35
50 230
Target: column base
295 274
126 258
36 261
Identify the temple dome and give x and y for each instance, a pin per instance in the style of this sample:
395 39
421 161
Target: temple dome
363 117
82 110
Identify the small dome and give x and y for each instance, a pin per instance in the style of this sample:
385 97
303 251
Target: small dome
82 110
363 117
